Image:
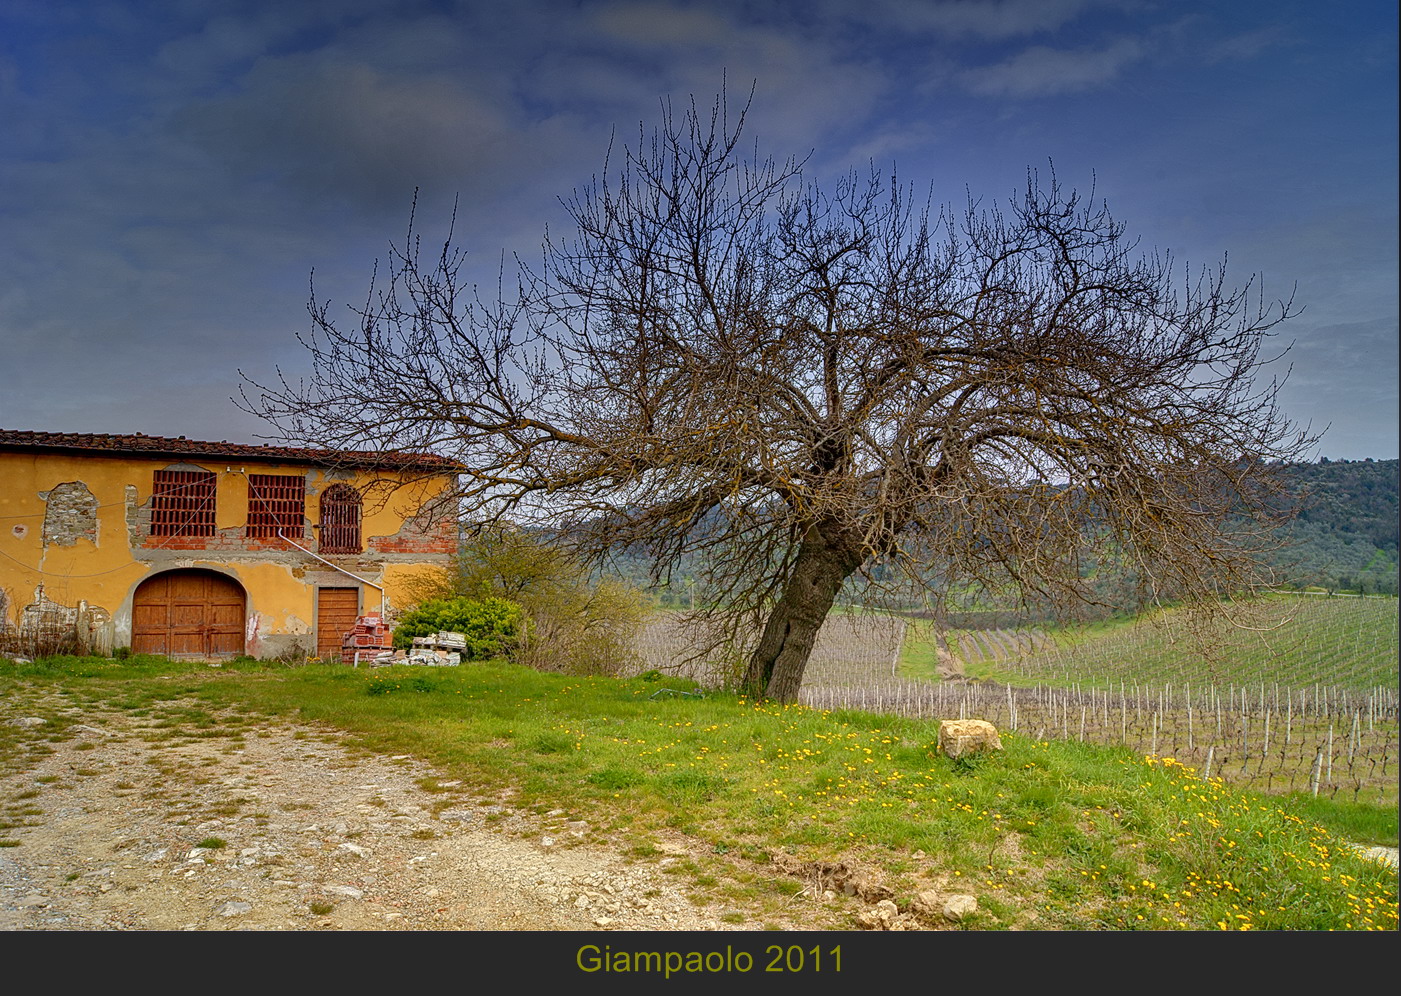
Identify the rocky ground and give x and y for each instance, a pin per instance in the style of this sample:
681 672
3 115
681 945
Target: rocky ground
282 828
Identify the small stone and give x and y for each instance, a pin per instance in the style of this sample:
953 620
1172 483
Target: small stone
880 916
928 902
348 891
235 908
958 907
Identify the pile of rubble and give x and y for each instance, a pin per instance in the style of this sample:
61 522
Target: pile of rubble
442 649
369 637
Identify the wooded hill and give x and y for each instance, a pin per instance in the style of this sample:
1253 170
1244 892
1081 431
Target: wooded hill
1346 535
1345 538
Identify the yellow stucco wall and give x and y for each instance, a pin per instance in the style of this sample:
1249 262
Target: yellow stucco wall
103 566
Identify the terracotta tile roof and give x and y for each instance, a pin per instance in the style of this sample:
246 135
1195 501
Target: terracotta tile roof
138 444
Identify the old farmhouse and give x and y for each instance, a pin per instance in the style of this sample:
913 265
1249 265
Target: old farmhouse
210 550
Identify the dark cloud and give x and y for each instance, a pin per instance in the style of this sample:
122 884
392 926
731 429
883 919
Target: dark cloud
173 170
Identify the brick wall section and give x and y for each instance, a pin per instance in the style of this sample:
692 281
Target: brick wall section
421 536
417 536
232 540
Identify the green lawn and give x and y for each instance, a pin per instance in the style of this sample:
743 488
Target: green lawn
1047 834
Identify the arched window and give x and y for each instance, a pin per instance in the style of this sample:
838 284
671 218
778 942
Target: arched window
340 519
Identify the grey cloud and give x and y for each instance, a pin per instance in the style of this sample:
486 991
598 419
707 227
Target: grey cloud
337 130
224 40
984 19
663 24
1247 45
1040 71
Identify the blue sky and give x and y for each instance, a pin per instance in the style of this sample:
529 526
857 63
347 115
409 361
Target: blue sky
172 172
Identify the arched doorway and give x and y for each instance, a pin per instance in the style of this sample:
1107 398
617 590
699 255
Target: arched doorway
189 613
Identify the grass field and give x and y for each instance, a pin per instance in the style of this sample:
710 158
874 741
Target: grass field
1290 640
1303 700
792 803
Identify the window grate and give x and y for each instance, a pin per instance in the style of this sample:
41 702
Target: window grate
182 503
275 502
340 519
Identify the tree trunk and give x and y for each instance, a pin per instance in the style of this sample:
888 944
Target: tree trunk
776 667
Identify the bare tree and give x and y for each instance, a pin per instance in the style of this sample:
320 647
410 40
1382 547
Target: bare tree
814 385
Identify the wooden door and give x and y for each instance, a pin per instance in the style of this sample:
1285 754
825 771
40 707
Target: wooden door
189 614
336 612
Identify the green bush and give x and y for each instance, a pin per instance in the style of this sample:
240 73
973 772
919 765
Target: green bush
574 623
491 625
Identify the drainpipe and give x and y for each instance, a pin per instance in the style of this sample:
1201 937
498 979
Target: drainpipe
282 536
378 588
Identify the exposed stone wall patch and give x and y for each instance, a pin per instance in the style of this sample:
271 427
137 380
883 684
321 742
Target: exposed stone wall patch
70 515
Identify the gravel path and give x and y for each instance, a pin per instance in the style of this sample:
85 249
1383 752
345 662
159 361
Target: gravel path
287 829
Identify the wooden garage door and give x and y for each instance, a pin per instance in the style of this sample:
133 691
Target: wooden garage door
189 613
336 612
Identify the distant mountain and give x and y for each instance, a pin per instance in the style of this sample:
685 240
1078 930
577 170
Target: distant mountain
1346 535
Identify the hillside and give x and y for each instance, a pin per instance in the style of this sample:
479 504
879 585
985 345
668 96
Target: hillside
1344 539
1346 535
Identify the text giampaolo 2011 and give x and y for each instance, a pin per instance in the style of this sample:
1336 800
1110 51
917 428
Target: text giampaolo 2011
787 958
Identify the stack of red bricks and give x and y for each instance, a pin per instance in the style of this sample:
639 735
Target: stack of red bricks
369 637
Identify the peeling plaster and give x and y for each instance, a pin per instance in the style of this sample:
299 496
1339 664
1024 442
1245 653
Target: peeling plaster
297 626
88 625
70 514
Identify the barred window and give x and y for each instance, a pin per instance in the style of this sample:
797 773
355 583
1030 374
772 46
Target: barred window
182 503
276 501
340 519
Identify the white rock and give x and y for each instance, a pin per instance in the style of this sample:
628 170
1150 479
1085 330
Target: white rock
957 907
